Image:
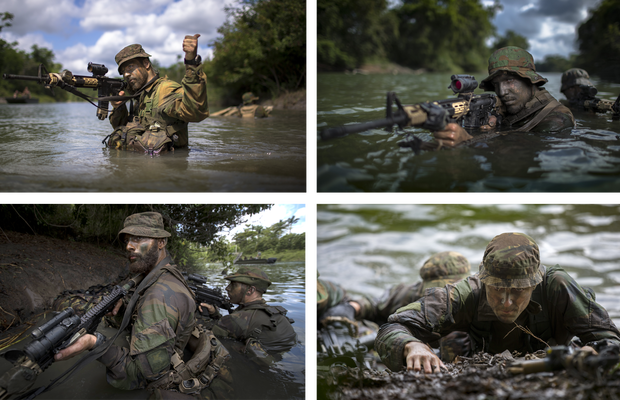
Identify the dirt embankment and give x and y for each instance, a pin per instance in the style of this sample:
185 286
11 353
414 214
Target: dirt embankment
35 269
288 101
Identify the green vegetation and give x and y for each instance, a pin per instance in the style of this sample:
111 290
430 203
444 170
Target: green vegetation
274 241
449 36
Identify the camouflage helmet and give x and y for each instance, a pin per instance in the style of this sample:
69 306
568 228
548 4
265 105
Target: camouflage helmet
443 268
248 98
251 275
130 52
511 260
514 60
575 77
149 224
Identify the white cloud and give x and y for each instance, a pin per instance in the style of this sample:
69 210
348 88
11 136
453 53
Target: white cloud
41 15
276 213
27 41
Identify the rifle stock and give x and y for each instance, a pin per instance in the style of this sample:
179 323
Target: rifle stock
562 357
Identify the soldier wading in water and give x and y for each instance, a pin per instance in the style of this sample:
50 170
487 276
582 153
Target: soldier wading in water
159 116
162 326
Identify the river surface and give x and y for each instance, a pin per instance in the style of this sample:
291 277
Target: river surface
283 380
368 248
585 159
57 147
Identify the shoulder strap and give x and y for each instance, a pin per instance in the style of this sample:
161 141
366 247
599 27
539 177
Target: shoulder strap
552 105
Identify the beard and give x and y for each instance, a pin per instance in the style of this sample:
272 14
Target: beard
144 264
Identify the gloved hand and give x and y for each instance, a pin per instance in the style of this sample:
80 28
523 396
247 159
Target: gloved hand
343 309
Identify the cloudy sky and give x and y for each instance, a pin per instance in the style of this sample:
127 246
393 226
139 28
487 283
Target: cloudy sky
80 31
549 25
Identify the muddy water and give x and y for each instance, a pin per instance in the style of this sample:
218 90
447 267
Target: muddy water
57 147
283 380
369 248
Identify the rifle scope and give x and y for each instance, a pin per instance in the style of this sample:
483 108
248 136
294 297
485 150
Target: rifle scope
97 69
43 329
463 83
588 91
38 349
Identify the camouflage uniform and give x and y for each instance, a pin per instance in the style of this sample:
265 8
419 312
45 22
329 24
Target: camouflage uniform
559 308
581 93
328 295
439 270
163 109
521 63
162 324
256 321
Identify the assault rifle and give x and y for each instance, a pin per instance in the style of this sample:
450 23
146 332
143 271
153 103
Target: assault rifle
51 337
205 294
563 357
587 99
468 110
339 341
67 81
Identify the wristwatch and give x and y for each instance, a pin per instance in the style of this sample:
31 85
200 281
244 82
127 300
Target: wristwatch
195 61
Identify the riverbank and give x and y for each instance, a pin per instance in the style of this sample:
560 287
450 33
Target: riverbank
288 101
34 269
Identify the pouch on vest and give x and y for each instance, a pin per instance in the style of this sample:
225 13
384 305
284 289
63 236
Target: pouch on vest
123 137
152 141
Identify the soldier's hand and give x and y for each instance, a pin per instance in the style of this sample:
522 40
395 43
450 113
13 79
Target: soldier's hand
418 355
209 308
115 309
84 343
190 46
492 123
452 135
115 104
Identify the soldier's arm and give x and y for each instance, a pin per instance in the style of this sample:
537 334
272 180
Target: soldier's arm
440 312
232 326
152 339
119 116
574 310
190 103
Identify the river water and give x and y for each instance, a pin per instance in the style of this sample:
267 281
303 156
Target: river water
57 148
283 380
587 159
368 248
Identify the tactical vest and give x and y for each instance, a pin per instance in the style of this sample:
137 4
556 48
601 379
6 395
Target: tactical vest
197 373
265 325
152 117
542 104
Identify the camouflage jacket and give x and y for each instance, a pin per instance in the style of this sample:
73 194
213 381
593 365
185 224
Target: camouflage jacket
162 322
558 119
378 310
328 295
559 310
267 324
170 106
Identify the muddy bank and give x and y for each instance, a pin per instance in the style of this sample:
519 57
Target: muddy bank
34 269
288 101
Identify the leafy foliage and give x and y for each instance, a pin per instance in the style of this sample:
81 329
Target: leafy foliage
511 38
275 238
555 63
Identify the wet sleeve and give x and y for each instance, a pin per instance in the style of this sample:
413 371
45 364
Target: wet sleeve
188 101
119 116
575 312
378 310
232 326
328 295
440 312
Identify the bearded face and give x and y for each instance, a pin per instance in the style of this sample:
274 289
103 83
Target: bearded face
142 253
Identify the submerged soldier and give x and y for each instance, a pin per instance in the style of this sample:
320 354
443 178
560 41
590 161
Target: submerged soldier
581 93
528 106
511 289
162 326
248 109
439 270
260 327
158 118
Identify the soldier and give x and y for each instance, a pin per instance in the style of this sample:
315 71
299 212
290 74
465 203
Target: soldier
581 93
256 324
528 106
511 290
158 121
439 270
248 109
162 325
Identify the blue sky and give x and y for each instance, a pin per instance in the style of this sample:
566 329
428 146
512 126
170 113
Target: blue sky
275 214
81 31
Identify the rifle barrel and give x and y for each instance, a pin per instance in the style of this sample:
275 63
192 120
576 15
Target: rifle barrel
338 131
26 77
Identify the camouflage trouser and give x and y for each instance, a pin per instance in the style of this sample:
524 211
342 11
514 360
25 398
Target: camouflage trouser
220 388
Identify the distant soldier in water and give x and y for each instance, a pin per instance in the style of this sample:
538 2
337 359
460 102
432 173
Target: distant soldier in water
581 93
248 109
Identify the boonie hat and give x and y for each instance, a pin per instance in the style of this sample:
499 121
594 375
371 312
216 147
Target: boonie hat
515 60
